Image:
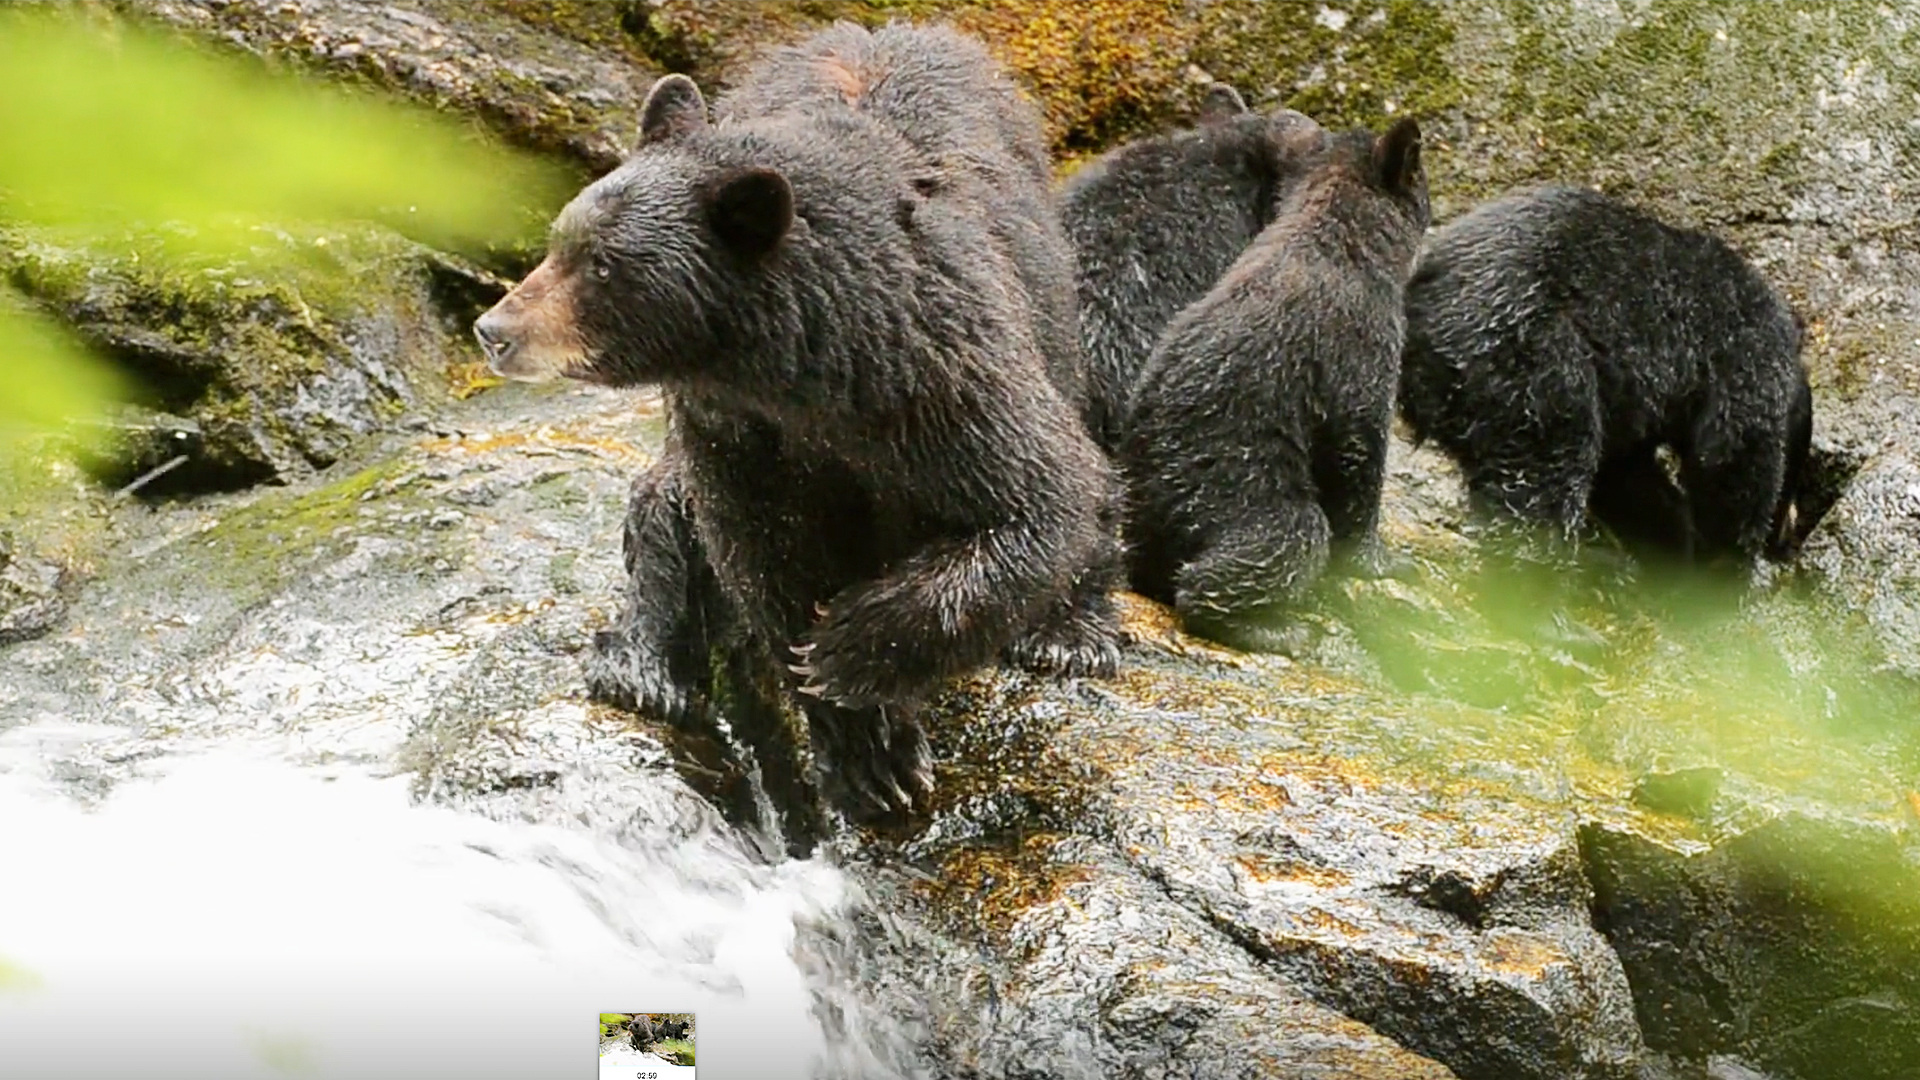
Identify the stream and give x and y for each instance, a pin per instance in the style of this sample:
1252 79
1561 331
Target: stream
337 807
231 913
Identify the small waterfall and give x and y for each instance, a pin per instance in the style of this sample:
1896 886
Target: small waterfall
230 913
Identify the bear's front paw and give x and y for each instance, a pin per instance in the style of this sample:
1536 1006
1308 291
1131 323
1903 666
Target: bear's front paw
836 677
875 763
851 663
635 678
1083 647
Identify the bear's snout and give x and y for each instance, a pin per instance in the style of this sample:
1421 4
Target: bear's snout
492 335
533 333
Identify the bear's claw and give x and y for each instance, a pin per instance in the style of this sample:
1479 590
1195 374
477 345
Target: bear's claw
635 679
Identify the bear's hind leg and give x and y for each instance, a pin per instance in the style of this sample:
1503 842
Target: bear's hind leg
1350 472
1635 498
1535 453
1540 476
1079 633
1237 589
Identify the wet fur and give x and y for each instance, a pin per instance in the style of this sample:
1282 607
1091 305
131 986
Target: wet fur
1257 435
1156 222
874 445
1557 339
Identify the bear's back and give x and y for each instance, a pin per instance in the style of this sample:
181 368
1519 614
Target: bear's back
1311 305
1155 224
962 135
937 89
1658 302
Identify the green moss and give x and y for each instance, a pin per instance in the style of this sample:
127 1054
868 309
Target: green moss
271 540
714 42
615 25
1353 64
542 120
237 344
1653 106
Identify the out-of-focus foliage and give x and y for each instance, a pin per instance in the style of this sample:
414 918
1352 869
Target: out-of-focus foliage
678 1051
16 978
105 127
105 130
48 377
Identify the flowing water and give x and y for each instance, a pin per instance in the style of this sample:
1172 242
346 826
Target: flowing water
304 784
231 913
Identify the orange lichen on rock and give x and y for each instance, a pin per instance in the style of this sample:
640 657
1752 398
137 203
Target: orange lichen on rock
1267 870
999 884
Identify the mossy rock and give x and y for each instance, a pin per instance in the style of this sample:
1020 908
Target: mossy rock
261 369
557 77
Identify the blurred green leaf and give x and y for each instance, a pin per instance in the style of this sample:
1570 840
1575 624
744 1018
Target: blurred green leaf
99 129
108 127
50 377
13 977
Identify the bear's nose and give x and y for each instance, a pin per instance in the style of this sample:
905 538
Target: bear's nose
493 340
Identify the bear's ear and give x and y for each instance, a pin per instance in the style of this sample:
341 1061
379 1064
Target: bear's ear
674 107
1396 157
750 209
1222 102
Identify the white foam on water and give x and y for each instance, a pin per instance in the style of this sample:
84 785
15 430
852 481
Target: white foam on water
234 914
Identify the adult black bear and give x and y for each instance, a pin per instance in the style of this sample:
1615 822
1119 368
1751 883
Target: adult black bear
1156 222
1557 339
1258 430
868 439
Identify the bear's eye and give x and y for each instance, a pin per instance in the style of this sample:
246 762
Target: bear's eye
602 269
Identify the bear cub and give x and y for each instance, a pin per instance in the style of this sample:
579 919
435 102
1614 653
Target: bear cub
866 450
1557 340
1157 221
1257 435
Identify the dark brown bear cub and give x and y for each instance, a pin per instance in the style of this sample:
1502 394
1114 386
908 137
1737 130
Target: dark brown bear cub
1157 221
887 486
1258 431
1557 340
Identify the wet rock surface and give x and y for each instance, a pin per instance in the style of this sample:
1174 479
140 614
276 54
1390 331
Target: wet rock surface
1053 956
504 63
30 595
1800 950
1865 553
